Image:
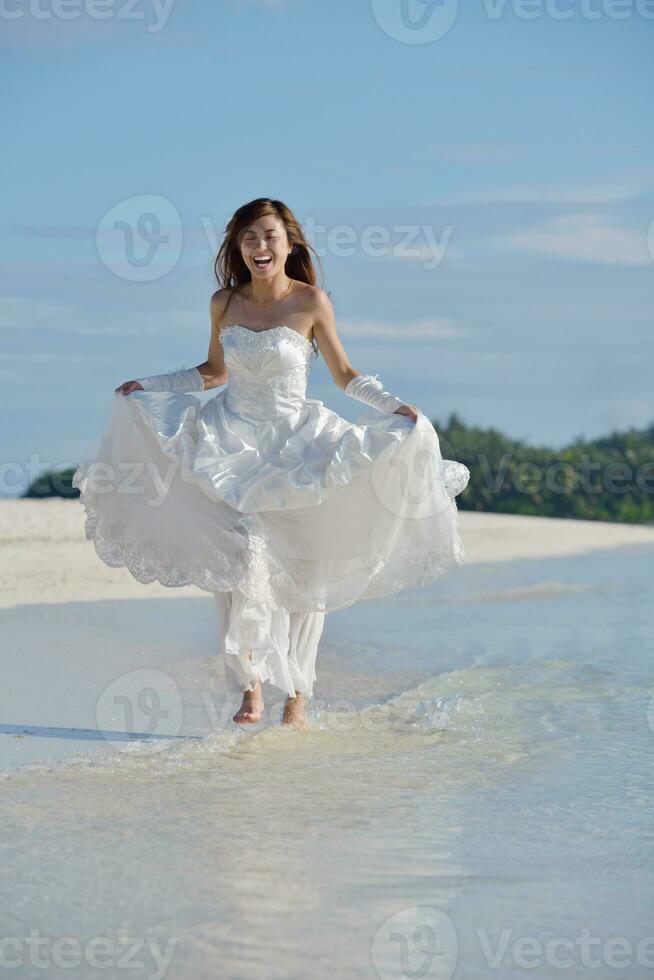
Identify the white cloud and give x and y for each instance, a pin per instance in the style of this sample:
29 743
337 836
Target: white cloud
25 311
603 192
580 237
431 329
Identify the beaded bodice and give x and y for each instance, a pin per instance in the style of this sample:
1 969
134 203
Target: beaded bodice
268 370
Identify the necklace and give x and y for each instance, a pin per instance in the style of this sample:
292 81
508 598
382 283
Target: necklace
269 301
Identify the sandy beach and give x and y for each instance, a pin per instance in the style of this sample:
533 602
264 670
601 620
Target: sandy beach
47 558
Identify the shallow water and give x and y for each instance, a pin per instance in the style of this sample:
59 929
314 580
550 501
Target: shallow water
476 783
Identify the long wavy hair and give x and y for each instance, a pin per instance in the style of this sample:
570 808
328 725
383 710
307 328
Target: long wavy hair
230 269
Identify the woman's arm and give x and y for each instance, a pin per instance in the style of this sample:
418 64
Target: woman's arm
213 370
210 374
364 387
331 348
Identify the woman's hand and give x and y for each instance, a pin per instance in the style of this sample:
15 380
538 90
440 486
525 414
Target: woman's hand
409 410
128 387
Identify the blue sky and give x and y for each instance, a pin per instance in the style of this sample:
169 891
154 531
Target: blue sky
480 190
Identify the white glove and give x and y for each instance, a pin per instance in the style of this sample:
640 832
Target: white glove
184 379
369 389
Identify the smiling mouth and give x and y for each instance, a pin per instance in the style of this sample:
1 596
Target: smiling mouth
263 262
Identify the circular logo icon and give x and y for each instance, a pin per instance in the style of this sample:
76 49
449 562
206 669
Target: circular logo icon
141 705
415 21
416 942
408 478
140 238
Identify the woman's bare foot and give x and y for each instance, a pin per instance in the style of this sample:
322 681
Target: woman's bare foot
252 706
294 712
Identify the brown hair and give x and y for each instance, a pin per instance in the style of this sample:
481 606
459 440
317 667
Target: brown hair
229 267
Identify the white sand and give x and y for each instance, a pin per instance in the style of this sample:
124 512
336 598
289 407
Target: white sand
47 558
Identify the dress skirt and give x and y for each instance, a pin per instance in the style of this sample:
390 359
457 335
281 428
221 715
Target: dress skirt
272 501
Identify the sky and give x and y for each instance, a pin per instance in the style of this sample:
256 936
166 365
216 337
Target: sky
477 180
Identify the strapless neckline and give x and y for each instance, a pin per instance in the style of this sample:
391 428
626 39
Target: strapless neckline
280 326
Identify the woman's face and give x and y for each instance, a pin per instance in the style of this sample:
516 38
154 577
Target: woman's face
265 247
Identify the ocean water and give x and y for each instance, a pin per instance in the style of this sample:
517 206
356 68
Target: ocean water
474 797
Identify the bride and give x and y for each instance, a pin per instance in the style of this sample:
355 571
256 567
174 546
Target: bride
267 499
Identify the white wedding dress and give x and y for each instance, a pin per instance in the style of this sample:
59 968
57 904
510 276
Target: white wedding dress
271 496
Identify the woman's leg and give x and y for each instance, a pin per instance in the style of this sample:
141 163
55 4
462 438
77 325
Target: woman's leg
293 640
235 677
223 601
305 630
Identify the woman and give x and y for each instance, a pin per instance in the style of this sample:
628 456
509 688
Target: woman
264 497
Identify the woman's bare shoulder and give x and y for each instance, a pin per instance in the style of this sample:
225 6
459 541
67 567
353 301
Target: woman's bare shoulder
321 305
318 300
220 299
219 302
